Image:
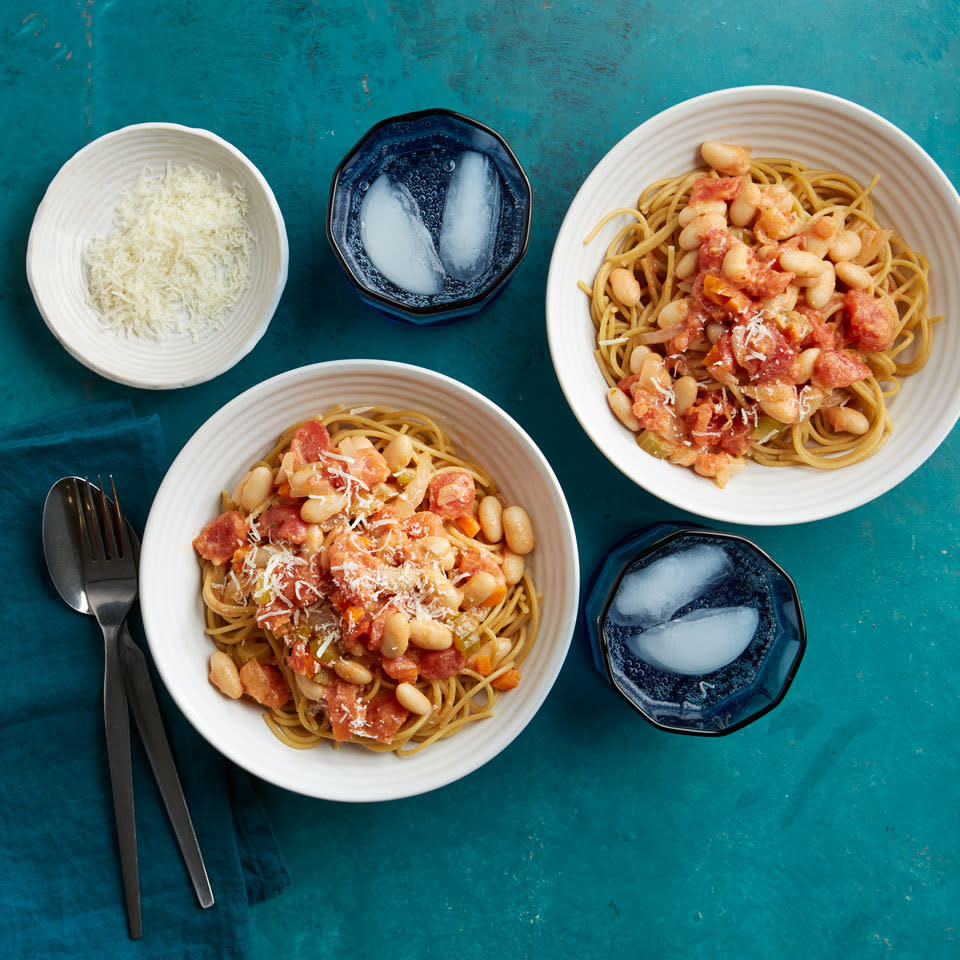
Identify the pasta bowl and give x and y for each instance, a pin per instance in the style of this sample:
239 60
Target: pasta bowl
913 196
216 458
81 202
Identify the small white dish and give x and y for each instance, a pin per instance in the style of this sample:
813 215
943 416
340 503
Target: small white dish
81 202
218 455
913 195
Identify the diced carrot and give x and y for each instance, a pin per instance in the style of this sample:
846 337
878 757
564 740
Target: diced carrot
484 666
284 490
507 680
499 592
355 614
468 524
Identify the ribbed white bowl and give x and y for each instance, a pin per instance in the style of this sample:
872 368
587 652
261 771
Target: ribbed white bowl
913 195
81 202
218 455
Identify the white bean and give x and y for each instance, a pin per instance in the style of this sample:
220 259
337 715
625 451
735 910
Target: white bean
736 262
697 229
804 364
310 689
703 207
847 420
318 509
413 699
490 515
478 588
674 313
313 541
725 158
430 635
853 275
518 530
637 356
254 488
687 264
845 246
224 675
512 566
398 452
744 206
352 672
396 635
625 287
802 263
715 331
820 292
622 409
684 392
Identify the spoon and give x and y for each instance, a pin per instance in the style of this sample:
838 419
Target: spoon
61 550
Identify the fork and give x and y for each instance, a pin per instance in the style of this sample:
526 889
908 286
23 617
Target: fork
110 581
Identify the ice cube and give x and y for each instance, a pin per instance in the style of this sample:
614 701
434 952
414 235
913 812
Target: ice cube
656 592
700 642
396 240
471 213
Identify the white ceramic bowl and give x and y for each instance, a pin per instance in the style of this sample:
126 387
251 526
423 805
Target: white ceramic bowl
820 130
81 202
218 455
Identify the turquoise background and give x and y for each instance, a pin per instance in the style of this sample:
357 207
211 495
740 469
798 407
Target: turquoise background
829 827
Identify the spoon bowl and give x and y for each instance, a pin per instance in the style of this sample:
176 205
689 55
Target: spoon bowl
61 542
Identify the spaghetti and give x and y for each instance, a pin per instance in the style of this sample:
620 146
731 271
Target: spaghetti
757 309
365 584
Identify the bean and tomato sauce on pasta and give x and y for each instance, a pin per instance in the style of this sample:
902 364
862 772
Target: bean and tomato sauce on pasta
757 309
365 584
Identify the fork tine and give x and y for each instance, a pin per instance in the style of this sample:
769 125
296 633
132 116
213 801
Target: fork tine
90 522
106 516
126 547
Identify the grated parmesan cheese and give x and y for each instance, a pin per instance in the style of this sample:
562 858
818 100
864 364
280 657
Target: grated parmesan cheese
178 258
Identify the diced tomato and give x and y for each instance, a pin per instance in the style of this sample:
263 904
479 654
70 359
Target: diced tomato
346 709
442 664
834 368
309 441
385 716
274 616
282 522
713 248
720 361
423 524
402 668
265 683
221 537
452 494
761 350
480 561
715 188
301 661
735 436
764 279
871 323
369 467
652 412
627 382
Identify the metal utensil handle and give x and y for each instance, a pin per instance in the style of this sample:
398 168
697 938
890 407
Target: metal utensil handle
146 712
117 723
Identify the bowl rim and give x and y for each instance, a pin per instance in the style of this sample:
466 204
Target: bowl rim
35 272
765 94
151 556
440 310
662 537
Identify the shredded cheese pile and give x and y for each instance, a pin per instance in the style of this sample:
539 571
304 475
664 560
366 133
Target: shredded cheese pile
178 259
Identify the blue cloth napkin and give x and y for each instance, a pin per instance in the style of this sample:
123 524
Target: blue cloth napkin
60 886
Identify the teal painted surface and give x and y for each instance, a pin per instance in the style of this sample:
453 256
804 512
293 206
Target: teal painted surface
830 827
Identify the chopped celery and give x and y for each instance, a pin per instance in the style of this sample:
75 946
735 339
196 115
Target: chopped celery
766 429
653 444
